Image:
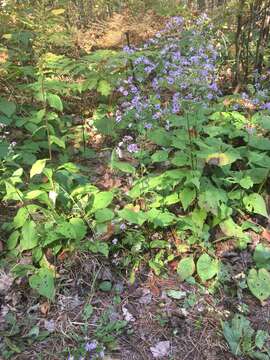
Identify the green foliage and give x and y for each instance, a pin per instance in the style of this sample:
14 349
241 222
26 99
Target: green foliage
243 340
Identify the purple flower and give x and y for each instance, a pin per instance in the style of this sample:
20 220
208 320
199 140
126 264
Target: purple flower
90 346
170 80
148 126
266 106
123 226
132 148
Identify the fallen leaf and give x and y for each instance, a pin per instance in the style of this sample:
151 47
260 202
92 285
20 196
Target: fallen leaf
161 349
109 233
127 315
266 235
44 308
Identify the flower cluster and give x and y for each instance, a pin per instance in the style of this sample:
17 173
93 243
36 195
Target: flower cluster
172 71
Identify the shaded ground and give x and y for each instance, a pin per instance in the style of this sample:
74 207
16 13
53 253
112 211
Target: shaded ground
190 324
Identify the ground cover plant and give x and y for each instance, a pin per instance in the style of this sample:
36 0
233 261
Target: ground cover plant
133 180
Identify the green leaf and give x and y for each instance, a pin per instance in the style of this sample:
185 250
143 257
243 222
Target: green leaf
246 182
87 312
255 203
133 217
104 88
98 247
66 229
3 149
261 256
231 229
43 283
59 142
186 268
101 200
207 267
187 196
259 142
37 167
160 156
79 227
160 137
259 283
105 286
159 244
176 294
55 102
236 332
12 240
29 238
104 215
180 159
261 338
7 108
123 166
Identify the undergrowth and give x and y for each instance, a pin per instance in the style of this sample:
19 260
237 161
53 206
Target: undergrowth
196 164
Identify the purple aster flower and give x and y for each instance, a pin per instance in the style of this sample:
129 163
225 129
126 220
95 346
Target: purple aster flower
90 346
266 106
128 50
132 148
170 80
123 226
157 115
148 126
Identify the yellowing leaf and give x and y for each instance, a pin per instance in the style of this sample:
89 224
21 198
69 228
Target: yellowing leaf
57 12
37 167
220 159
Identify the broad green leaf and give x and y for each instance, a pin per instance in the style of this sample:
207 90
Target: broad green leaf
37 167
59 142
246 182
187 196
259 283
160 218
260 338
43 283
12 240
255 203
104 215
236 332
259 142
160 137
207 267
186 268
29 237
66 229
261 256
133 217
231 229
180 159
7 108
101 200
34 194
98 247
79 227
3 149
104 88
55 102
12 193
160 156
123 166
